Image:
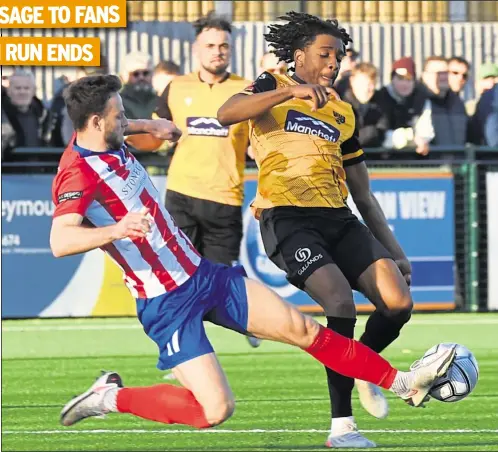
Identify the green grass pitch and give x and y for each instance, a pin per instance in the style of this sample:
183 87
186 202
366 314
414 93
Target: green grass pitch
282 398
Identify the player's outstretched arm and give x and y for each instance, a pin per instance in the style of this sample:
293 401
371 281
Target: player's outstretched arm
359 185
162 129
242 107
69 236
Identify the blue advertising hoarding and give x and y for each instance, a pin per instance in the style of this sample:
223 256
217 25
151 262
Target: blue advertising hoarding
419 209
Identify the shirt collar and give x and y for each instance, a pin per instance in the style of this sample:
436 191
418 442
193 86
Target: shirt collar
225 78
121 153
298 80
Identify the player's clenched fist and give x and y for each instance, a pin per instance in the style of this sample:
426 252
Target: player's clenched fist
164 129
319 94
134 224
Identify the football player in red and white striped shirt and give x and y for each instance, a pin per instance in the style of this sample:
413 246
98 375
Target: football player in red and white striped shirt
105 199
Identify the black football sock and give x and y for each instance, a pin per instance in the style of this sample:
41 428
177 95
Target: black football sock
382 330
340 387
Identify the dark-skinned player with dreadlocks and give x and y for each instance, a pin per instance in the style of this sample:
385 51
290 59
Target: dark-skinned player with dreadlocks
306 146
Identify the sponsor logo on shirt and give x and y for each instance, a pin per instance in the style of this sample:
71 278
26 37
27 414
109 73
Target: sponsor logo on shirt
134 180
208 127
69 195
301 123
339 118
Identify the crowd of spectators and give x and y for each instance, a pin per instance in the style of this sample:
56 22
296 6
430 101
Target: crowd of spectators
418 109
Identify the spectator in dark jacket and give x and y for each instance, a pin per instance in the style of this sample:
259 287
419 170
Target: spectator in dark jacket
478 121
24 113
447 110
370 120
458 73
403 102
486 83
491 125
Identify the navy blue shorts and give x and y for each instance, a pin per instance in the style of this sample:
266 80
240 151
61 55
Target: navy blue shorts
174 321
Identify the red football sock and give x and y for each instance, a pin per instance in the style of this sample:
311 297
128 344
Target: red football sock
351 358
162 403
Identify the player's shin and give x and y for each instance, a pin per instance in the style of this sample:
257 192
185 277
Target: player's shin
351 358
340 387
383 329
163 403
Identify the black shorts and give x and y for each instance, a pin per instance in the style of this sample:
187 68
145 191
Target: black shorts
300 240
214 229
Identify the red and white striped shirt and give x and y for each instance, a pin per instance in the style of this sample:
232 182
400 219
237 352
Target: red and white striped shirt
103 187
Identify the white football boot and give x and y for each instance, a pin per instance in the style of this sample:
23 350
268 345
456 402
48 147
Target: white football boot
372 399
91 403
414 386
348 437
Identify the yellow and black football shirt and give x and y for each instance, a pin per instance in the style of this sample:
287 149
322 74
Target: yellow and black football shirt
209 159
301 154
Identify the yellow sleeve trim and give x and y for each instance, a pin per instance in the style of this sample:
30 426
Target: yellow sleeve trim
353 155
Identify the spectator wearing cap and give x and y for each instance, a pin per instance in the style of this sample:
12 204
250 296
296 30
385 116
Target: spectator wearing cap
491 125
458 73
138 94
403 101
445 108
488 78
348 63
370 119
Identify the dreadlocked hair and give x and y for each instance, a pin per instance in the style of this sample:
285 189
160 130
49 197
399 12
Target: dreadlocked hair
211 20
301 30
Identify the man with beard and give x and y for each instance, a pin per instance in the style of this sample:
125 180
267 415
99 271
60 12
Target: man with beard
205 185
306 145
139 97
205 179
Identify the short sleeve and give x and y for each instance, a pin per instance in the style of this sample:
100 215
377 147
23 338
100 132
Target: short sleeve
352 152
265 82
73 192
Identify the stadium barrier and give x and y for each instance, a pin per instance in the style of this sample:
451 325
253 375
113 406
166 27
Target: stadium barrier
436 207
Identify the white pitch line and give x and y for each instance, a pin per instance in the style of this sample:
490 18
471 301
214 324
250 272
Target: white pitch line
137 326
214 431
18 329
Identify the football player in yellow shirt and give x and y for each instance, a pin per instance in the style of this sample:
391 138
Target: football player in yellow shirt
306 146
205 184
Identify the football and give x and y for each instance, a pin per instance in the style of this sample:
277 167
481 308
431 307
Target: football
144 142
461 378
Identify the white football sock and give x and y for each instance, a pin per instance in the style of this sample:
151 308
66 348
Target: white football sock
341 425
109 400
402 383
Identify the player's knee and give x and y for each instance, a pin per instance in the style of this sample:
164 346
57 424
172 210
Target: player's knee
305 332
399 305
344 308
220 411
